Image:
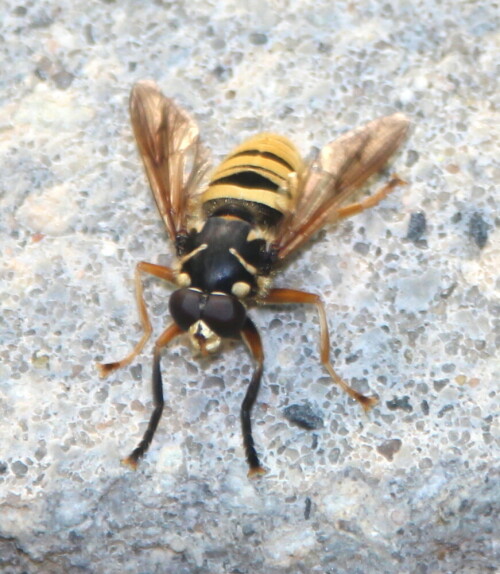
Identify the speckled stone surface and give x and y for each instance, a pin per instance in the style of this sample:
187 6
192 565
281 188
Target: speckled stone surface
411 290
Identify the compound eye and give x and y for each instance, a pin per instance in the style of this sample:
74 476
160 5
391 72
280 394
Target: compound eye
184 307
224 314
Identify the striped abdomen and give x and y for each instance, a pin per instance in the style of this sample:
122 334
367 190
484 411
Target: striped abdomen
256 182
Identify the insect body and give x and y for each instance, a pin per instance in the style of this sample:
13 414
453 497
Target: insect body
260 204
229 259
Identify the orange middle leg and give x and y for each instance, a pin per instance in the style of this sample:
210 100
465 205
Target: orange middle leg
280 296
157 271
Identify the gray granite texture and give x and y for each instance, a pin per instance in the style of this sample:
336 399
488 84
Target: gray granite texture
411 289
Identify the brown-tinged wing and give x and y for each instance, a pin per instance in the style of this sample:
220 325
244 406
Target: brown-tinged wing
174 159
339 169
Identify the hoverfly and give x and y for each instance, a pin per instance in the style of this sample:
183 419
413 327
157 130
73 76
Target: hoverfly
260 205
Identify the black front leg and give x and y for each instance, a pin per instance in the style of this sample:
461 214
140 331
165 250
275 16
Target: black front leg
158 402
252 339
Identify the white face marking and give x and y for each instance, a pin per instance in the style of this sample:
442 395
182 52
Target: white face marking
203 338
240 289
183 280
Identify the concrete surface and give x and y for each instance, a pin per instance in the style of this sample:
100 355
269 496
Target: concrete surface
413 487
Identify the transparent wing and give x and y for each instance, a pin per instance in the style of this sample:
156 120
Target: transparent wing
174 159
339 169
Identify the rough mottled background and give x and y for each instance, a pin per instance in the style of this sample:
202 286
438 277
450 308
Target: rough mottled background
411 289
